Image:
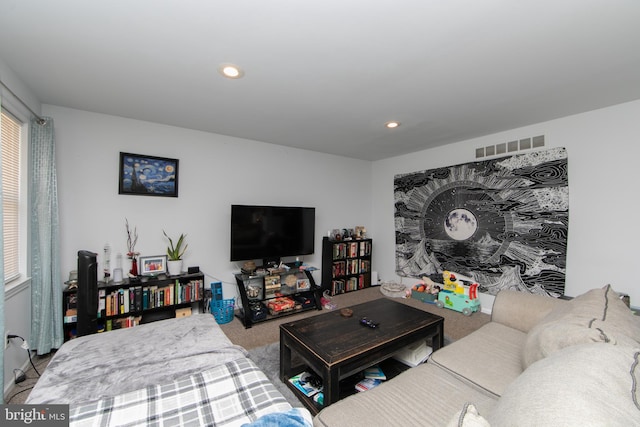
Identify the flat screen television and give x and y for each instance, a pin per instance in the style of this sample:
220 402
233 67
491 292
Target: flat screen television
271 232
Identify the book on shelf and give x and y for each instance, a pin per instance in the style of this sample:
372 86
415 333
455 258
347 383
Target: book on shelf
102 308
365 248
375 372
353 250
306 383
367 384
126 299
339 250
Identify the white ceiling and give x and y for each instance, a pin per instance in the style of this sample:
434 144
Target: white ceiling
326 75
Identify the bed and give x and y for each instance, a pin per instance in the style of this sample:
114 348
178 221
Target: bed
181 371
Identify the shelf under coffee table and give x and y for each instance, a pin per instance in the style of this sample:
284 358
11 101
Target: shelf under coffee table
337 347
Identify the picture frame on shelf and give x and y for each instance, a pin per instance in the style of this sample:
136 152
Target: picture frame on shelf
145 175
153 265
303 285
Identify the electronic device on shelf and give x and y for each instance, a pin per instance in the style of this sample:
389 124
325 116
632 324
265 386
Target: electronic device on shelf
87 292
271 232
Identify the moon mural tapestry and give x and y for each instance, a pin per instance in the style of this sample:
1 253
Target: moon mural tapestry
502 222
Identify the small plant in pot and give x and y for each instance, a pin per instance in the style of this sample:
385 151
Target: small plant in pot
174 254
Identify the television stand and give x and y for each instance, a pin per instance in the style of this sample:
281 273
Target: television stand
273 295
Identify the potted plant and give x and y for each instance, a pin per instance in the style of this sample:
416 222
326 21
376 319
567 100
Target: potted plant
174 254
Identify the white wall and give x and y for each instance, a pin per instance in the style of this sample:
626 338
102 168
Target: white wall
604 229
215 171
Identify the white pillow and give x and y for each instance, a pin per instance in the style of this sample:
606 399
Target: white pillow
584 385
468 417
599 315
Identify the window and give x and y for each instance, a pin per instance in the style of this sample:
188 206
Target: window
10 132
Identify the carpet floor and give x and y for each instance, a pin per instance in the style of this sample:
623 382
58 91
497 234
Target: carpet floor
456 324
267 358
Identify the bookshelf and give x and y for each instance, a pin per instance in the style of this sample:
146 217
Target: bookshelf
126 304
346 265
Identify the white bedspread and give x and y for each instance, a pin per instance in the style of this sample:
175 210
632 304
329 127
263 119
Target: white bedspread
111 363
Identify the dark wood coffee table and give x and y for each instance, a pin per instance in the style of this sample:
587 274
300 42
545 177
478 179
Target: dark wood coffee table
337 347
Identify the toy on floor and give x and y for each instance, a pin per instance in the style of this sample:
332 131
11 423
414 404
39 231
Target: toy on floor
425 291
325 300
458 296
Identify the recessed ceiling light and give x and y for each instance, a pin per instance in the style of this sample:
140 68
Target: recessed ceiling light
392 124
231 71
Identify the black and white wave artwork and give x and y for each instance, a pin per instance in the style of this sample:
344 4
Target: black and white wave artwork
502 222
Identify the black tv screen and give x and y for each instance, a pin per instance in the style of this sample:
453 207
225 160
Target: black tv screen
271 232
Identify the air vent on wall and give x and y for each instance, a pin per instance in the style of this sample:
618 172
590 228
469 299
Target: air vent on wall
510 147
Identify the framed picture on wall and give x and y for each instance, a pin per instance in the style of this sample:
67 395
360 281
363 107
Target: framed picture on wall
144 175
153 265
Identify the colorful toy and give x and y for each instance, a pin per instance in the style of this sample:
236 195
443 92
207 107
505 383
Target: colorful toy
425 291
458 296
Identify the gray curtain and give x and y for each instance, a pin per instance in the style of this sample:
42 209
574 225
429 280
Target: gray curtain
46 282
1 287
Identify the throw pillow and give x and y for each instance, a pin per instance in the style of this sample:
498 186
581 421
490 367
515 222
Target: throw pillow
468 417
588 384
599 315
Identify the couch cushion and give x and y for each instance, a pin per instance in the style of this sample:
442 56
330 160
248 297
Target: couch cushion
588 384
490 358
599 315
522 310
421 396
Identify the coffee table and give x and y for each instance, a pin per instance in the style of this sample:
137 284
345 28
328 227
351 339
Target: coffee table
337 347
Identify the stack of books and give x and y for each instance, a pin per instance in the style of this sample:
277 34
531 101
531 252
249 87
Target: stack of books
373 377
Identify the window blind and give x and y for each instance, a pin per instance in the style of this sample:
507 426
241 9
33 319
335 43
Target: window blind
10 132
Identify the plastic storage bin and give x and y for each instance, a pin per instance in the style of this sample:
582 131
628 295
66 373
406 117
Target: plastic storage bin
222 310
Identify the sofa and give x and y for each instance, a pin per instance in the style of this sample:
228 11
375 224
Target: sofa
540 361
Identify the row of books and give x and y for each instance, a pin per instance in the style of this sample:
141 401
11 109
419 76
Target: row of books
355 266
348 285
351 249
351 266
122 323
138 298
373 377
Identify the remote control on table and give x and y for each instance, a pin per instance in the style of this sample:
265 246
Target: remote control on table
370 323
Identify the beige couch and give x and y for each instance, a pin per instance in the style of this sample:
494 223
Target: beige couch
540 361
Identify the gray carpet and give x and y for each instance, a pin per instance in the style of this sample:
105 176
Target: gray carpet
456 325
267 358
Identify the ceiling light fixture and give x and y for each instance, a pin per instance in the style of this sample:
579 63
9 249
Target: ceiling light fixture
231 71
392 124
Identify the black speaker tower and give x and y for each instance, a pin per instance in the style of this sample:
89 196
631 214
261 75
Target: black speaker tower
87 293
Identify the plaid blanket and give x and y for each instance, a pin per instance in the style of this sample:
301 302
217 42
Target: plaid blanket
231 394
